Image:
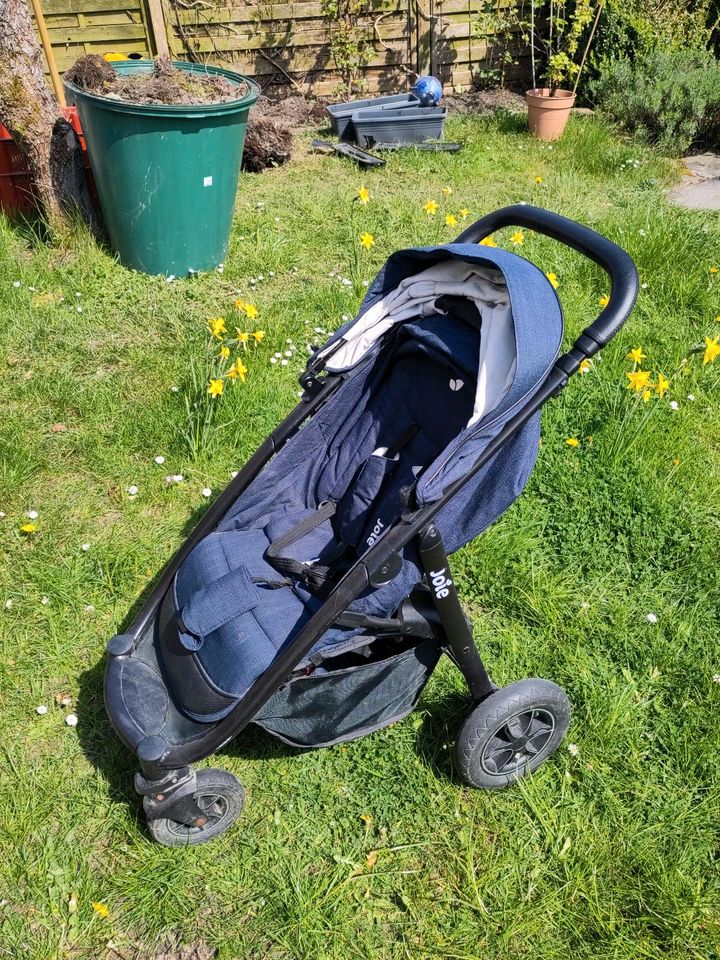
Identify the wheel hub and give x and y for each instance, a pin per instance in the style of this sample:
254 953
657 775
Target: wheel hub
517 741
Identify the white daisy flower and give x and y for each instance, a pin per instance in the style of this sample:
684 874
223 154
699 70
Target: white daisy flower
89 608
273 359
573 749
32 514
8 604
691 396
674 405
2 515
651 618
16 283
84 547
283 363
207 492
288 353
71 720
44 601
716 678
132 490
79 309
233 473
174 389
41 709
159 460
66 701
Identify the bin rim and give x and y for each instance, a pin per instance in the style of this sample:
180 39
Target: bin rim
170 109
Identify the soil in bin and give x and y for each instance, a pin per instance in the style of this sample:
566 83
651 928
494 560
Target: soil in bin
165 84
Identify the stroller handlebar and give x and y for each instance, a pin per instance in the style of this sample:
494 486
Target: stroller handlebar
613 259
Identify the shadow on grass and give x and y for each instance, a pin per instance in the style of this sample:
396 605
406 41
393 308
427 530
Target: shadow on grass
438 732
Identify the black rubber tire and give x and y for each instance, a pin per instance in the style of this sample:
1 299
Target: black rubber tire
489 754
225 797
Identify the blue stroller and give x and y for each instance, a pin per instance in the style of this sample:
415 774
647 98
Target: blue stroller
315 596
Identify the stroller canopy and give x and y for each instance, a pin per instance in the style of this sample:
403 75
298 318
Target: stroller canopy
448 342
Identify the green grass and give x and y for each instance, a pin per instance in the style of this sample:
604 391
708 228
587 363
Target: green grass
609 854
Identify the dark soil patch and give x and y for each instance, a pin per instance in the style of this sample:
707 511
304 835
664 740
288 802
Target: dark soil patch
165 84
269 138
484 102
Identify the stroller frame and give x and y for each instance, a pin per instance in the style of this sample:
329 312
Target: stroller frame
167 780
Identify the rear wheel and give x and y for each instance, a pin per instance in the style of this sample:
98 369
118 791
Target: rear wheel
511 733
220 796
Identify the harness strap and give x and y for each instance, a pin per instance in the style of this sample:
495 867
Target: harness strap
316 575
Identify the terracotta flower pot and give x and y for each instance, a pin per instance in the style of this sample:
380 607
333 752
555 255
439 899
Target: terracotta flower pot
547 115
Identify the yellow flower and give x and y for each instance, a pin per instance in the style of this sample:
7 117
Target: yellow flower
639 380
585 366
517 238
662 385
431 208
604 300
487 242
636 355
367 240
717 319
216 388
363 194
217 327
242 337
447 191
552 277
237 371
28 527
450 220
258 335
538 179
713 270
465 213
250 311
712 349
101 909
224 352
240 304
572 442
646 395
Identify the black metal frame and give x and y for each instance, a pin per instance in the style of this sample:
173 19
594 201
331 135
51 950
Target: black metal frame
381 562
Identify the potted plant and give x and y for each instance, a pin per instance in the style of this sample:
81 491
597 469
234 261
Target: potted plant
549 106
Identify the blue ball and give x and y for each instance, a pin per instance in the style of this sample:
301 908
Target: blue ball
428 90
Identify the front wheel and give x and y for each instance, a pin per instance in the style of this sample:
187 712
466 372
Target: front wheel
220 796
511 733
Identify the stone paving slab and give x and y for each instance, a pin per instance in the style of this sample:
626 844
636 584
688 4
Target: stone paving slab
699 189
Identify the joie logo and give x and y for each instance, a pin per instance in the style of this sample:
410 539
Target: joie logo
377 530
440 583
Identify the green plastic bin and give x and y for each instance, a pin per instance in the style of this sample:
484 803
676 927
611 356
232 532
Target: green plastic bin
166 176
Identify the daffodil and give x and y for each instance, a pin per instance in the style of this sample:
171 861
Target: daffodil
552 277
450 220
585 366
712 349
258 335
604 300
224 352
217 327
518 238
636 355
487 242
250 311
216 388
100 909
28 528
647 394
713 270
538 179
363 195
662 385
639 380
367 240
465 213
242 337
572 442
431 208
238 371
447 191
240 304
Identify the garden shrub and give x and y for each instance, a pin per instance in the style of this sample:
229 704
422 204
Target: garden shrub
671 99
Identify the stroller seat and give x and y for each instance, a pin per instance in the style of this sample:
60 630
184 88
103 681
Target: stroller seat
247 589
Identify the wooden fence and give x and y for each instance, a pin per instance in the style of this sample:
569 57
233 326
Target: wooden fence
279 42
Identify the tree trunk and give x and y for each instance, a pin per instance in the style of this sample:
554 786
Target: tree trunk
30 113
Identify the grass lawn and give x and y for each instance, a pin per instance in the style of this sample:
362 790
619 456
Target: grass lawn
372 849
